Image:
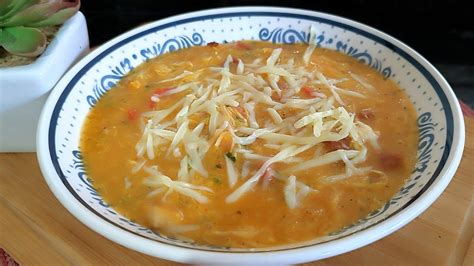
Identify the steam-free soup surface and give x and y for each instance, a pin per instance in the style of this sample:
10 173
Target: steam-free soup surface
250 144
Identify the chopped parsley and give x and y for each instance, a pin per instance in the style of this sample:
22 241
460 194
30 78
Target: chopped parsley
231 156
217 180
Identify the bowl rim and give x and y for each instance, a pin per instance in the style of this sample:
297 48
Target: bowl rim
294 255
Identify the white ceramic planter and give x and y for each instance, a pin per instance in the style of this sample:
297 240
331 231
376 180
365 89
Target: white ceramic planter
24 89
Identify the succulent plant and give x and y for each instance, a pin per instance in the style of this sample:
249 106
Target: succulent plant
21 22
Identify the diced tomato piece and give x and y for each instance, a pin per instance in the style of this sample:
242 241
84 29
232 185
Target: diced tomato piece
241 110
268 174
276 96
267 177
366 114
390 161
307 92
343 144
282 84
151 104
161 91
234 61
212 44
157 93
132 114
243 46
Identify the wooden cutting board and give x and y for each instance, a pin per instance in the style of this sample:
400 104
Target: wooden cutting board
36 229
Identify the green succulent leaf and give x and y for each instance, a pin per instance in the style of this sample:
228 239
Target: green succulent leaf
9 8
68 10
23 41
43 14
5 6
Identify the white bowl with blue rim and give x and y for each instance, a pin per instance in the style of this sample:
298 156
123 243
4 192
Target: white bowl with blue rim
441 128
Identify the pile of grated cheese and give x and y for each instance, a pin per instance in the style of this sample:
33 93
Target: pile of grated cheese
227 100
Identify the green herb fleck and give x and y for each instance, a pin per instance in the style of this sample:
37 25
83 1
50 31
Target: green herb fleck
218 166
231 156
217 180
238 118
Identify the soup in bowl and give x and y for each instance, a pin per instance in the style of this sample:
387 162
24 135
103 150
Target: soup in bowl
230 134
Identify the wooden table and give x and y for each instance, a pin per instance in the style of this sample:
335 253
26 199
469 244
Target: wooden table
36 229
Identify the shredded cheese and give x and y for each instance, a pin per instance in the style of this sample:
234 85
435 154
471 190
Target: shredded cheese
331 87
271 61
180 133
311 45
251 109
157 179
290 192
327 158
231 172
183 173
282 155
274 115
229 102
362 82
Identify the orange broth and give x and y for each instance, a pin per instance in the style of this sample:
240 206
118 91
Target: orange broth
260 218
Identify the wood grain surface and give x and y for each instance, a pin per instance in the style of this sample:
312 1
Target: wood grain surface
36 229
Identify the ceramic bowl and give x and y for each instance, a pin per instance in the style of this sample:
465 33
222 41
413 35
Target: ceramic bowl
441 128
